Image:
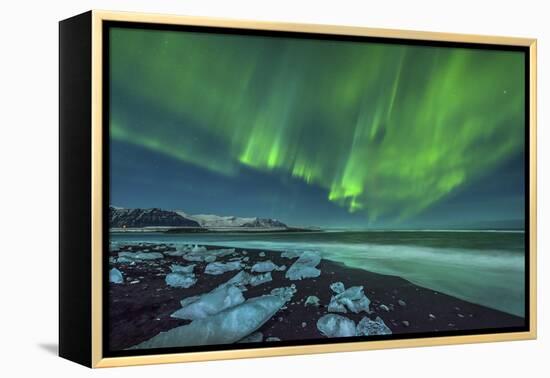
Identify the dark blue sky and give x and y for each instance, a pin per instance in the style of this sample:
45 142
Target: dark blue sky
144 178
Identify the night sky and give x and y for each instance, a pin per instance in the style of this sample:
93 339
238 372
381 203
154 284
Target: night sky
311 132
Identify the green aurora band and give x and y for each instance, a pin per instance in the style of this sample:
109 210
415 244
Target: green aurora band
385 129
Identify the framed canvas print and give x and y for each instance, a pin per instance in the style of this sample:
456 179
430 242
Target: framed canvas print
235 189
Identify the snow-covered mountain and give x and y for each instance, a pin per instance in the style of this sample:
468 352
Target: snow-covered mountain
139 218
218 221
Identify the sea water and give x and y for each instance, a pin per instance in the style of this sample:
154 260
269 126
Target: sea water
483 267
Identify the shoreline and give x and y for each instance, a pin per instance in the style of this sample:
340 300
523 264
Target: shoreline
141 306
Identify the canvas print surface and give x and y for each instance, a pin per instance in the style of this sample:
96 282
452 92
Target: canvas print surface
280 189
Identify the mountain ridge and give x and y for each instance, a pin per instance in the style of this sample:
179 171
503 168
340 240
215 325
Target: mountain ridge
155 217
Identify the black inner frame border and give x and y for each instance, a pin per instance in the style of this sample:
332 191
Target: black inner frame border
106 89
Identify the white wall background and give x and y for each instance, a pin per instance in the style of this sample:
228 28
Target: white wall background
29 189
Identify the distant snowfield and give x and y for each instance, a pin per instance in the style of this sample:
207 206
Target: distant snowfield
211 220
225 222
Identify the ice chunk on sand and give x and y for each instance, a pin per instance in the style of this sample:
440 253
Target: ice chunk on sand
181 249
216 268
149 256
186 301
133 256
335 306
184 280
260 279
255 337
337 287
194 257
367 327
225 327
115 276
332 325
176 253
290 254
262 254
312 300
198 254
124 260
219 299
285 292
198 249
352 299
182 269
243 278
305 266
221 252
266 266
240 280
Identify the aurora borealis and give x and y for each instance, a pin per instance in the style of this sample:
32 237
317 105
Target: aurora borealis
377 132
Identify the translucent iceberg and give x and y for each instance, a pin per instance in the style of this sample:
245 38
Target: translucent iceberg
226 327
184 280
185 301
182 269
198 249
312 300
115 276
219 299
176 253
124 260
290 254
216 268
133 256
285 292
305 266
243 278
199 257
352 299
266 266
332 325
240 280
260 279
337 287
222 252
255 337
367 327
198 254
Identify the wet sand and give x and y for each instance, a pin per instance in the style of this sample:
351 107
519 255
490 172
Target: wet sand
141 307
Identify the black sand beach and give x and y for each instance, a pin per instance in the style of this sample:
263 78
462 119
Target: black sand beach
140 307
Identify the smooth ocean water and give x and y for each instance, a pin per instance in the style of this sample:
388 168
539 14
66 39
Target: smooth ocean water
483 267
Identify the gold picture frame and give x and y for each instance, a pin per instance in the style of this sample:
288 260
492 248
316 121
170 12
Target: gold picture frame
94 26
